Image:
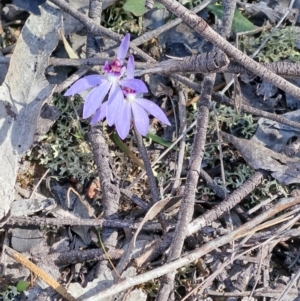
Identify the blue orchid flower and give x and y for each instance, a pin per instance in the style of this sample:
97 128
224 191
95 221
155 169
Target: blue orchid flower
110 84
136 108
125 103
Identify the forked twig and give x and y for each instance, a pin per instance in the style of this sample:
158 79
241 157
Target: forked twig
189 258
166 290
97 29
200 26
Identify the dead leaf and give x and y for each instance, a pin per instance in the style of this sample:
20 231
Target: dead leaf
237 94
284 169
153 211
275 135
71 53
274 16
40 273
23 93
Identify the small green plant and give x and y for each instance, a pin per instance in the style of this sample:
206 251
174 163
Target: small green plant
9 294
268 188
12 291
233 178
64 149
22 285
237 177
120 19
229 119
281 46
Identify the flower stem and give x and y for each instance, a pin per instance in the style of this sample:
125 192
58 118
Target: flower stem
144 155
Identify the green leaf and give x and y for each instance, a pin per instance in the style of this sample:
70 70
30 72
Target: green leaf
159 140
22 285
136 7
239 22
117 141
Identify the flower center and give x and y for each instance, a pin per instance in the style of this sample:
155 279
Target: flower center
130 97
115 67
129 93
127 90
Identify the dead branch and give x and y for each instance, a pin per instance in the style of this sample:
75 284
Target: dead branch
283 204
200 26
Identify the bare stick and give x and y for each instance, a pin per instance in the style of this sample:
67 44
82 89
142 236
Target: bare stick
95 11
212 184
205 219
244 108
182 128
39 183
200 26
144 155
191 64
70 80
73 257
189 258
108 179
187 205
97 29
156 32
134 198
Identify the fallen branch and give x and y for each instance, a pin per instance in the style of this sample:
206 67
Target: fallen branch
191 257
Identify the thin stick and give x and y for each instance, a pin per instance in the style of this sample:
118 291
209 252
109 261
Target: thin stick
147 164
264 42
200 26
97 29
143 173
220 151
182 128
106 254
155 33
95 11
189 258
39 183
38 221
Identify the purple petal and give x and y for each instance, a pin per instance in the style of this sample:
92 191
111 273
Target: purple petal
123 120
106 66
153 109
100 113
122 71
123 48
115 103
130 67
141 119
84 84
134 84
95 98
